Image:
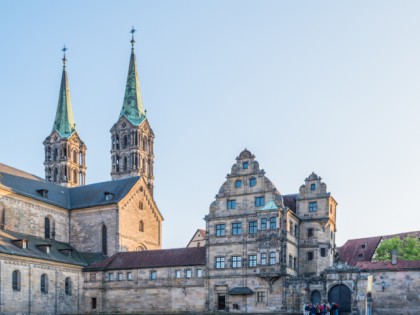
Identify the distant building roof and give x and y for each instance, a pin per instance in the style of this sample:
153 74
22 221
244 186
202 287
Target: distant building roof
197 239
68 198
290 201
58 251
6 169
191 256
387 265
360 250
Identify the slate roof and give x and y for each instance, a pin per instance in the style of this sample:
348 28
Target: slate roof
190 256
69 198
361 250
94 194
7 246
290 201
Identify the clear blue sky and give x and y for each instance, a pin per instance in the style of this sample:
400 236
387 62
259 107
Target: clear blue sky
324 86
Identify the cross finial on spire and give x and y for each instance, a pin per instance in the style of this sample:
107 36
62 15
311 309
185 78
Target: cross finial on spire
133 30
64 55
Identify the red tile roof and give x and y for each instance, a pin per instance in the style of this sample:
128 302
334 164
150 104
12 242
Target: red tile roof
387 265
362 249
191 256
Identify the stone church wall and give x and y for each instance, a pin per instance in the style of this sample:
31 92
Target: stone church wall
140 222
28 216
86 229
29 299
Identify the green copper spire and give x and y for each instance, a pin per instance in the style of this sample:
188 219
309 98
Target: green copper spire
132 107
64 122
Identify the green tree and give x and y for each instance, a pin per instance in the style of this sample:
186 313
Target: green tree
407 248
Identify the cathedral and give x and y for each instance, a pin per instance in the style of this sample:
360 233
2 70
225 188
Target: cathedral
71 248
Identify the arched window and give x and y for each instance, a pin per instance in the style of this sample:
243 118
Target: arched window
55 154
16 280
125 141
67 286
141 202
141 226
47 228
145 144
125 166
55 176
44 283
75 176
117 142
117 163
74 156
104 240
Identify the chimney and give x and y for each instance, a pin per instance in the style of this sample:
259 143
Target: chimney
394 255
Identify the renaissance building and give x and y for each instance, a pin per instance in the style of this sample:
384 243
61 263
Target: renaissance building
71 248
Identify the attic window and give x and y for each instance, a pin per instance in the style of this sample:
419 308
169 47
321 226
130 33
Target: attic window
46 248
43 192
21 243
108 196
364 245
67 251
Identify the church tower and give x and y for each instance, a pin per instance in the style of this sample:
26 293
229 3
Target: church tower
64 150
132 136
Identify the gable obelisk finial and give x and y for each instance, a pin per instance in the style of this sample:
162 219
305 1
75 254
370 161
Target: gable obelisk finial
64 56
133 30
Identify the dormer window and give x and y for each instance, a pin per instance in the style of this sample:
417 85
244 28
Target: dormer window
43 192
364 245
245 165
67 251
313 186
108 196
46 248
21 243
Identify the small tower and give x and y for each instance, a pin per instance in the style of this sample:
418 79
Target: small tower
131 136
64 150
316 209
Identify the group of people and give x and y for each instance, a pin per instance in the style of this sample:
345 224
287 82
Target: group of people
323 308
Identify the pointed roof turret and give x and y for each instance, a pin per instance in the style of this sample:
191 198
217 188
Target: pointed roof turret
64 122
132 107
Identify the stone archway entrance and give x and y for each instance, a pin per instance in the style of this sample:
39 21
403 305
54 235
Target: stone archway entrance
316 297
341 294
